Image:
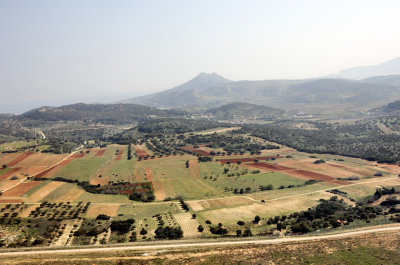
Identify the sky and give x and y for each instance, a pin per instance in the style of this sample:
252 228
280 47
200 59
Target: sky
61 52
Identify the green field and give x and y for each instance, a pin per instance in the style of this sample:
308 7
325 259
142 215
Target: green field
82 168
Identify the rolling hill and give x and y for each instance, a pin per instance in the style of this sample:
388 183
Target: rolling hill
98 113
240 110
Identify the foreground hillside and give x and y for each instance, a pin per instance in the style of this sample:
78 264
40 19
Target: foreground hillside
377 248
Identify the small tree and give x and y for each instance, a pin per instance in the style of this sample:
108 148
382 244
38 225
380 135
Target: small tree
247 232
238 233
200 228
257 219
143 231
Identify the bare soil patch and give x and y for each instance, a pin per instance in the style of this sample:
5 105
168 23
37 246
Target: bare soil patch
53 169
245 160
159 191
103 180
10 173
101 152
71 195
149 174
194 169
19 159
21 189
140 152
270 167
46 190
219 203
196 150
120 153
110 209
10 200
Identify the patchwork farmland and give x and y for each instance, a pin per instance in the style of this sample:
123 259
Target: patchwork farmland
194 188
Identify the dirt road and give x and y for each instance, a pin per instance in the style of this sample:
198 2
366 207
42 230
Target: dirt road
175 244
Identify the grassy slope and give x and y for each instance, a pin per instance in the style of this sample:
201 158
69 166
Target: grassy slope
82 168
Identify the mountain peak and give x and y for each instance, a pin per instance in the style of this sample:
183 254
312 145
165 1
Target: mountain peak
210 77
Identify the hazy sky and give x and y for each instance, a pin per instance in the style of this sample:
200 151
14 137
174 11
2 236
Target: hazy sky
57 52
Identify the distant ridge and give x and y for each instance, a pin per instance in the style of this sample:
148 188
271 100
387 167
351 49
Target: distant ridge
391 67
213 90
99 113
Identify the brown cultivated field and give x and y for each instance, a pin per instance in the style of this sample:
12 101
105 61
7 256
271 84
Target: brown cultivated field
41 160
79 155
299 173
20 189
71 195
194 169
270 167
158 190
244 160
101 152
8 157
219 203
149 174
110 209
18 159
140 152
10 200
196 150
120 153
45 190
48 173
10 173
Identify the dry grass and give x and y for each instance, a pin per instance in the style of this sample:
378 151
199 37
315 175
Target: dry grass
188 225
219 203
44 191
268 209
110 209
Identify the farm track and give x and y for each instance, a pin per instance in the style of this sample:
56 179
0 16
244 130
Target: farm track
176 245
56 164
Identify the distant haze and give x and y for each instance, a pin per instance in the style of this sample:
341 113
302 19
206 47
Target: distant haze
60 52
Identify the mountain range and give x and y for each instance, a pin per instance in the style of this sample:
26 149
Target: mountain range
212 90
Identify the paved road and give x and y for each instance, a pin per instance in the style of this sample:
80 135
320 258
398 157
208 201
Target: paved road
170 245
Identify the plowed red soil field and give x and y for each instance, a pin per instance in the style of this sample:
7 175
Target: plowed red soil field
248 159
271 167
51 170
299 173
20 189
140 152
101 152
120 153
18 159
149 174
80 155
196 150
10 173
